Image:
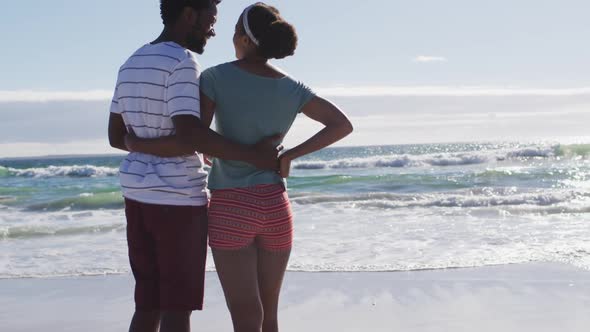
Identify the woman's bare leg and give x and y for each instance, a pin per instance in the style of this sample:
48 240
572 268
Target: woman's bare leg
237 271
271 269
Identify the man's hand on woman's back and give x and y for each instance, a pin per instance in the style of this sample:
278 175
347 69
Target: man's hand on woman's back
265 153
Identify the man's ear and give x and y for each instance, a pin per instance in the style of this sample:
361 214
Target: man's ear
189 15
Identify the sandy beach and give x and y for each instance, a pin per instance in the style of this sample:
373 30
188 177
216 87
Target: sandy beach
529 297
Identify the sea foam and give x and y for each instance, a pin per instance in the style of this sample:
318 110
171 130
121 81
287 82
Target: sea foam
61 171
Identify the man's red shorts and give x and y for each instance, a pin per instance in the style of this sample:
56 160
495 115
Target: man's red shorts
167 252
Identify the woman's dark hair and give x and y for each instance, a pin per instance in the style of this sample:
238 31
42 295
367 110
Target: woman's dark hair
170 10
277 38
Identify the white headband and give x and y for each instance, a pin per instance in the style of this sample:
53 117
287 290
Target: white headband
247 25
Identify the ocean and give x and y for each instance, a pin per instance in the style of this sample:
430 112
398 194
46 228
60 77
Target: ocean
380 208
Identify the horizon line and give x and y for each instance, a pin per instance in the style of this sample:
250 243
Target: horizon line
43 96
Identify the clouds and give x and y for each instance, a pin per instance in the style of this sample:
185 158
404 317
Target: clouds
30 96
26 149
429 59
53 121
449 91
76 122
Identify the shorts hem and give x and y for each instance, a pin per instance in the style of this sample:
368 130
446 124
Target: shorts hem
165 308
252 243
233 248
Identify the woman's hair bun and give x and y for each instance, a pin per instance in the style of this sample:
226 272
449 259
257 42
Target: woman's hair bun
279 41
277 37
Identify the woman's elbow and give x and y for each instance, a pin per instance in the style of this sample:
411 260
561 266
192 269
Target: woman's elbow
346 128
349 128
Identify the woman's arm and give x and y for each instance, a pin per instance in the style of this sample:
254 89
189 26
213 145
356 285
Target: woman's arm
337 126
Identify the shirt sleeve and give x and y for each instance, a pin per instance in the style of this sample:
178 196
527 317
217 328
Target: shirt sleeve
182 90
208 84
305 94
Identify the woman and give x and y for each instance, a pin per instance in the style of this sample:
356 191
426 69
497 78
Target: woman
250 219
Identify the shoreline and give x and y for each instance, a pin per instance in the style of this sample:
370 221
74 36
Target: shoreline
537 140
518 297
499 267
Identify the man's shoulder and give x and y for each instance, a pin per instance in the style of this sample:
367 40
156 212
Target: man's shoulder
164 54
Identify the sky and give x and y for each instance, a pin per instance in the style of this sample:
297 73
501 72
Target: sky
405 71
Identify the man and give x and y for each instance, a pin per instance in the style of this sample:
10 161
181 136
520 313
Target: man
157 94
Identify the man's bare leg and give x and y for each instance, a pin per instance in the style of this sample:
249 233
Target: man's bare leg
176 321
145 321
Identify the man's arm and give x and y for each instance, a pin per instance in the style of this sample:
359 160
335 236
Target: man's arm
191 113
192 132
207 110
117 131
192 135
173 146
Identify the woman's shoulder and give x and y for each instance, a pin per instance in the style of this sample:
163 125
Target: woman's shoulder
215 70
215 75
294 82
286 77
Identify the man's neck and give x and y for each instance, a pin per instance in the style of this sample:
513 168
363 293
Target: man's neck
168 35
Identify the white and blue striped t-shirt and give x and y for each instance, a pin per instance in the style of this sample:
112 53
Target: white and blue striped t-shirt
157 82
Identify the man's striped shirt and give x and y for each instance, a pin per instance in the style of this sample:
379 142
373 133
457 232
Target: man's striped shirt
156 83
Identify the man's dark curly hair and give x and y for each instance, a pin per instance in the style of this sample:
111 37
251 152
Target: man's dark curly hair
170 10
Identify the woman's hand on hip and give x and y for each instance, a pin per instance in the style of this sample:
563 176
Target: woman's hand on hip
284 166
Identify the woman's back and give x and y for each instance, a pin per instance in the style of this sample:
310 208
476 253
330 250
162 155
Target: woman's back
249 107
